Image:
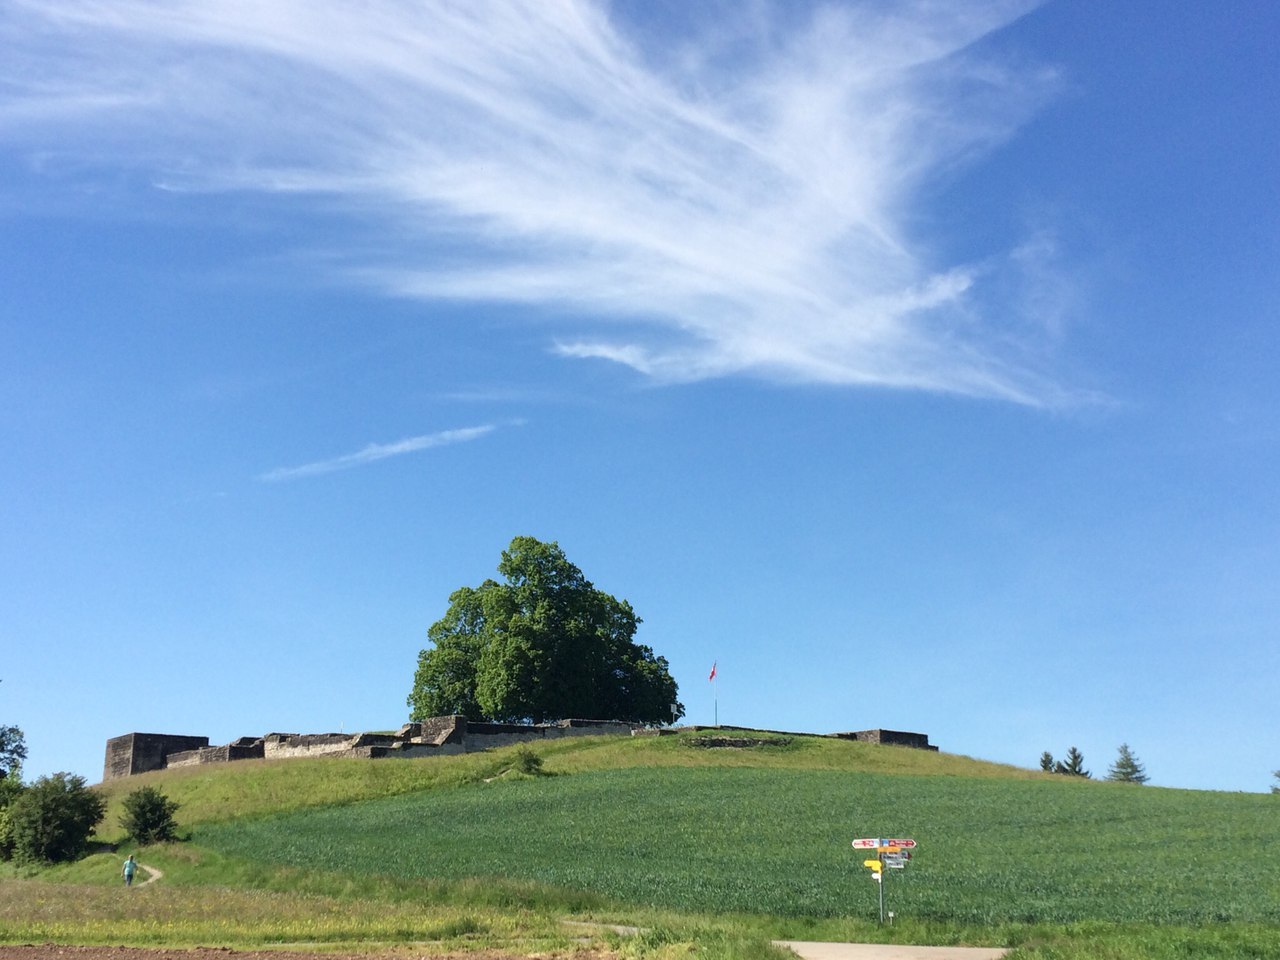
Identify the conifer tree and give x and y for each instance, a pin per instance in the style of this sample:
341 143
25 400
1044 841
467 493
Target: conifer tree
1046 762
1127 769
1073 766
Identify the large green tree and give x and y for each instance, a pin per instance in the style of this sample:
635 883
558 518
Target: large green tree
51 820
13 750
543 644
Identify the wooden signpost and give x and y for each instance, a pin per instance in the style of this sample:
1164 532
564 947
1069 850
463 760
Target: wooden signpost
892 853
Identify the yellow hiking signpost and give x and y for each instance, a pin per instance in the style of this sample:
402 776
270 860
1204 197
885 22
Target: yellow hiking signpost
892 854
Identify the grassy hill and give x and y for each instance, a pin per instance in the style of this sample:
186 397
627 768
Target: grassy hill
722 846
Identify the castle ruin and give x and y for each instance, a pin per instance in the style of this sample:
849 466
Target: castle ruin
135 753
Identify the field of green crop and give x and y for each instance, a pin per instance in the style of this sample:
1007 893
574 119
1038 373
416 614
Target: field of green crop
776 841
710 851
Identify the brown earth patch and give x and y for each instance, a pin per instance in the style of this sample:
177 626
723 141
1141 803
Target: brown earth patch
51 951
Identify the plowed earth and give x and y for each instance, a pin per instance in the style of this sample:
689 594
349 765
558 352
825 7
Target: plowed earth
51 951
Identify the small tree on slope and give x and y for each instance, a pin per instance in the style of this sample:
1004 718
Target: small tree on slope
1073 766
1127 769
148 816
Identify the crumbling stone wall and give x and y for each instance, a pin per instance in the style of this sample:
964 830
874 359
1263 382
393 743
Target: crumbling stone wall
246 748
284 746
451 728
140 752
897 738
437 736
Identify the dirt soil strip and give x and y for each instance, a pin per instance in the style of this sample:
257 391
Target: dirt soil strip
807 951
51 951
887 951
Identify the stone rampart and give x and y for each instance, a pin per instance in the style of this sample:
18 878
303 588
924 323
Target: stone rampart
140 752
895 738
437 736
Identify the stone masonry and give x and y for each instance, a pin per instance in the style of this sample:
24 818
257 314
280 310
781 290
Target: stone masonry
439 736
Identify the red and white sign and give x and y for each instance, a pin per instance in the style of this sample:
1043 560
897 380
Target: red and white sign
904 844
870 844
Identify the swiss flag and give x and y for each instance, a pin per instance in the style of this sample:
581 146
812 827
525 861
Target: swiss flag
713 671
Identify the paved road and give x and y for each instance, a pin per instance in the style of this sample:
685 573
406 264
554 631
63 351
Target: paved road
887 951
810 950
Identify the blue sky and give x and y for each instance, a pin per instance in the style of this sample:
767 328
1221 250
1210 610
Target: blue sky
914 362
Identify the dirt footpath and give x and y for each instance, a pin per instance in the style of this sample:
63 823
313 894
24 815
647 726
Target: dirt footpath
806 951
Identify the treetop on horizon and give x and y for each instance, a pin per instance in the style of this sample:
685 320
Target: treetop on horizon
544 644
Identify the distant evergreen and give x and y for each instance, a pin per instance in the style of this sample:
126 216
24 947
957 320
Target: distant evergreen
1127 769
1073 766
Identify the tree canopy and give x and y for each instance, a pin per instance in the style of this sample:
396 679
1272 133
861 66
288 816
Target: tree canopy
544 644
51 821
148 816
13 750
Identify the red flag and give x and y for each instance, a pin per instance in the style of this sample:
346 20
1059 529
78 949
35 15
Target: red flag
713 671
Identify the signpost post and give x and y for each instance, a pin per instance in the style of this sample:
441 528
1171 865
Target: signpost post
891 853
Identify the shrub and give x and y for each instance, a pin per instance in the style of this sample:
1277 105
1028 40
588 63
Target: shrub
148 816
51 820
526 761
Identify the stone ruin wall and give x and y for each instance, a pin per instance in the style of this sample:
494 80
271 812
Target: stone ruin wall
140 752
896 738
439 736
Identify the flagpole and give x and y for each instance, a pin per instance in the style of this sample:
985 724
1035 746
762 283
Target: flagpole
715 694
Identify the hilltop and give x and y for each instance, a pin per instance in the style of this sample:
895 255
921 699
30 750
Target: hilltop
726 847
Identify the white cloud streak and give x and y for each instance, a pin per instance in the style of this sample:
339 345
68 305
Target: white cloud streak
375 452
730 201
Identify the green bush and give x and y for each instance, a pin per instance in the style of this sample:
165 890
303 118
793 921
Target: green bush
51 820
528 762
148 816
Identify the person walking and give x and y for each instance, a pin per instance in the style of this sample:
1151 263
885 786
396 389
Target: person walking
129 869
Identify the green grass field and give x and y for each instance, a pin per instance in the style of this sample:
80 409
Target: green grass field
720 848
776 842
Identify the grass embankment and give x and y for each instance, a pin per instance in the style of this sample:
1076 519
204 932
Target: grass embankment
250 788
726 848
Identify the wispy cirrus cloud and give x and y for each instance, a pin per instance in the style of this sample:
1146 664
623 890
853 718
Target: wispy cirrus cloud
707 201
377 451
